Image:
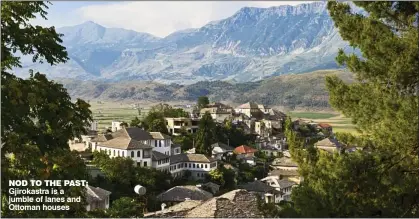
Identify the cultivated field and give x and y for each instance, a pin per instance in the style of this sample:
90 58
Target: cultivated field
339 122
106 112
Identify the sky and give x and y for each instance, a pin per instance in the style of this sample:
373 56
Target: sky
159 18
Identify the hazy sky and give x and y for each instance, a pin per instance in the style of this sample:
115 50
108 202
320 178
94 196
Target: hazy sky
158 18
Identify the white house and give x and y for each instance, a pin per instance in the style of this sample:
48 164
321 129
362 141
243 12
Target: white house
283 185
198 164
116 125
138 145
220 150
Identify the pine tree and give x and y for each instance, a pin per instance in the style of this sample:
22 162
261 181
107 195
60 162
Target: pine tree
205 136
381 180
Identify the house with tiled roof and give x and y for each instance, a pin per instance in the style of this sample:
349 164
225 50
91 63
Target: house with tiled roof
245 151
325 127
97 198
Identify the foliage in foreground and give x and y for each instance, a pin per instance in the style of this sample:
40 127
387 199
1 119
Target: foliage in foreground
382 180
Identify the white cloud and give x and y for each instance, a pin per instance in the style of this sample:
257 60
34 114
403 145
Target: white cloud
162 18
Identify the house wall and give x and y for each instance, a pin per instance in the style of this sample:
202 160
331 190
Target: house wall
197 169
187 123
138 154
162 146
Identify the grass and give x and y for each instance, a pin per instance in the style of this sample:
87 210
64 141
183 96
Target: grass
337 121
106 112
312 115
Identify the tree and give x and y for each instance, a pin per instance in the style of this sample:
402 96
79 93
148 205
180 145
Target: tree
185 140
382 180
38 116
155 122
205 136
203 101
216 176
126 207
136 123
124 124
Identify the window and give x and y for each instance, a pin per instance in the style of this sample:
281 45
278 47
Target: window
159 143
113 152
190 165
118 153
193 165
123 153
132 153
206 165
155 143
145 163
159 162
138 153
178 166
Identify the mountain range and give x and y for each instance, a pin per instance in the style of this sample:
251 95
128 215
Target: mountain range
292 91
251 45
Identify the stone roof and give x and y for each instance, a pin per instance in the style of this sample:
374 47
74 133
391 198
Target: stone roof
283 183
176 146
177 210
234 204
281 172
198 158
155 155
96 193
248 105
329 142
223 146
258 186
214 187
102 138
135 133
284 161
124 143
182 193
159 136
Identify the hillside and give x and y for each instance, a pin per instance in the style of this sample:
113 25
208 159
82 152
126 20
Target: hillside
293 91
252 44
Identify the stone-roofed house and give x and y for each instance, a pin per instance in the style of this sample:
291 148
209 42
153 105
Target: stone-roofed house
283 185
284 163
97 198
329 145
220 150
268 193
234 204
160 161
291 175
137 144
218 111
212 187
198 164
179 194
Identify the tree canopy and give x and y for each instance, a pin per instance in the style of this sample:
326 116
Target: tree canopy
383 179
38 116
205 136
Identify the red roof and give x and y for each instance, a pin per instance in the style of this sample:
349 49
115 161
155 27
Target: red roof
324 125
243 149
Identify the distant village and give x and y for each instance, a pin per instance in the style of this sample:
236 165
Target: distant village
157 150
